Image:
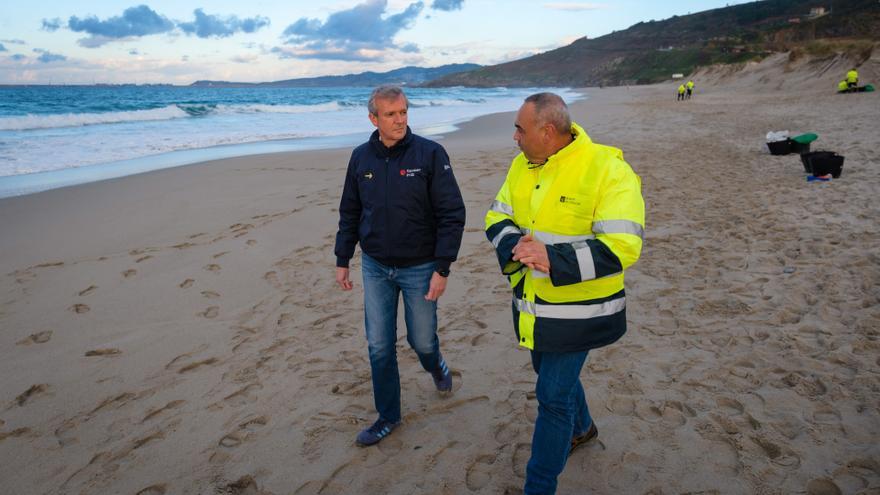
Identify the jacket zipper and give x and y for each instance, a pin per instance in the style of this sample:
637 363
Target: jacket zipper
387 225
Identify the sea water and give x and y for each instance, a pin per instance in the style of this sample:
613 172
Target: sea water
53 136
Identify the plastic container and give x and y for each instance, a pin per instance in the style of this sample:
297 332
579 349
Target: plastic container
780 147
821 163
801 148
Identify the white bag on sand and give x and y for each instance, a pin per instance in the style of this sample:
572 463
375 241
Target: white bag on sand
774 136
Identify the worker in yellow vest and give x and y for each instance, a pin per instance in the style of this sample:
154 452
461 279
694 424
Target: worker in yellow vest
842 86
852 78
680 92
567 222
690 89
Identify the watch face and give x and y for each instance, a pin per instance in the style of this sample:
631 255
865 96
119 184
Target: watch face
443 273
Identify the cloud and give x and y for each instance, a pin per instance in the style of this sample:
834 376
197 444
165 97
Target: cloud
244 59
15 42
134 52
18 57
447 5
46 56
51 25
575 7
134 22
3 48
359 33
206 26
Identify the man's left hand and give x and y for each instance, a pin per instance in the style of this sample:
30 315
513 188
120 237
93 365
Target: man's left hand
437 287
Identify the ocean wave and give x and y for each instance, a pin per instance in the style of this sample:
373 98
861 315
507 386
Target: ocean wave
177 111
444 102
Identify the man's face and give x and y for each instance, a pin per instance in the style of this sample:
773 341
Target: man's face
530 137
390 119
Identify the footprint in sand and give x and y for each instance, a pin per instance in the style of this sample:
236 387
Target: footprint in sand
31 392
251 242
219 254
211 312
87 291
186 284
167 407
80 308
197 364
210 294
36 338
823 486
103 352
145 258
479 473
212 267
129 273
158 489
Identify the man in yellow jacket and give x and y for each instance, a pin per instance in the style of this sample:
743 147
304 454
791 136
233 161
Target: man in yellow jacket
680 92
567 222
852 78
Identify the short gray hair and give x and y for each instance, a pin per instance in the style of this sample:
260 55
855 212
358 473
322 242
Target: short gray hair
551 109
385 92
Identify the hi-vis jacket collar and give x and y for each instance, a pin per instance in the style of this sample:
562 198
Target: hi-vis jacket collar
580 143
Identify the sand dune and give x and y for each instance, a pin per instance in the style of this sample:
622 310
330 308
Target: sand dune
180 331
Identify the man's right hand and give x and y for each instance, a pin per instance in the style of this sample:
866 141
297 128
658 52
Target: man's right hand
342 278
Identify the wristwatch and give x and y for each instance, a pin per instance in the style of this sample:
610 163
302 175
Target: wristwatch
443 273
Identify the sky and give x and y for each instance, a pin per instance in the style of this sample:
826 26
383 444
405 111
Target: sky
182 41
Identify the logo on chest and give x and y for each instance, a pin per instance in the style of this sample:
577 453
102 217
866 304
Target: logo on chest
409 172
571 200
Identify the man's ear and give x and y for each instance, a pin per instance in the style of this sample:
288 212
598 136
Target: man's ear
374 120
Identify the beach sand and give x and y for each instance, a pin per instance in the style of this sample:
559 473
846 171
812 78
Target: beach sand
180 332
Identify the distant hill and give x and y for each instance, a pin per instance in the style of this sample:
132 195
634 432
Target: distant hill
409 76
652 51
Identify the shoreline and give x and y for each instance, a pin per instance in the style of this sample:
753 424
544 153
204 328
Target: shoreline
31 183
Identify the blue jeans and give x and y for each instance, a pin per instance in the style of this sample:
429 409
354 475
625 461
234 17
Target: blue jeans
382 287
562 415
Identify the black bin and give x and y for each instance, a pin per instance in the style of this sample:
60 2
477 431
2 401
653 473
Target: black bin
797 147
780 147
821 163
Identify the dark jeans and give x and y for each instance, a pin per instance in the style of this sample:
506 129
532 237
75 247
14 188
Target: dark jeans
562 415
382 287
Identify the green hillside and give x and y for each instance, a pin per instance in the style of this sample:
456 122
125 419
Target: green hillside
652 51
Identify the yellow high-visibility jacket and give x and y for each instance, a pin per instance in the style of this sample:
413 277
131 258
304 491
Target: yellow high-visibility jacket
585 203
690 85
842 86
681 89
852 77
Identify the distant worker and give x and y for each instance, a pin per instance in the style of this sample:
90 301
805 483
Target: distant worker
680 92
852 78
842 87
690 89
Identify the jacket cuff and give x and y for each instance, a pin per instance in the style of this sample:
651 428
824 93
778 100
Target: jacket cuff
342 262
443 265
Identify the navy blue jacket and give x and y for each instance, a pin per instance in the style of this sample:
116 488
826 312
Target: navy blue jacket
401 203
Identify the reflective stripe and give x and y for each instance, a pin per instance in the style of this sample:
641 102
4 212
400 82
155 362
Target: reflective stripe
619 227
585 260
539 274
548 238
570 311
506 230
500 207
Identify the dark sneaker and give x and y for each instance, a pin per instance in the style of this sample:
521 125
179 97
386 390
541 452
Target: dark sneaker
379 430
579 440
442 377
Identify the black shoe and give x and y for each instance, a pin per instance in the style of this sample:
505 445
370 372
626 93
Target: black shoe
375 433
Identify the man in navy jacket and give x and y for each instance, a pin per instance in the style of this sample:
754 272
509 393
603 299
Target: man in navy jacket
402 204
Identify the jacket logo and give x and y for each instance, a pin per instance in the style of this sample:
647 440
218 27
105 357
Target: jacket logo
409 172
368 175
569 199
